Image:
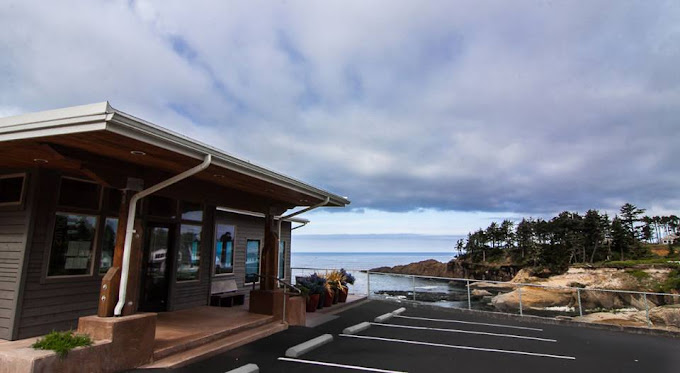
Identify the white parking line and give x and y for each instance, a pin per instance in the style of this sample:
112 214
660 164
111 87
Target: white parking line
469 322
464 332
353 367
460 347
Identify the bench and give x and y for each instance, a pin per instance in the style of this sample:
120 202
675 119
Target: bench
226 294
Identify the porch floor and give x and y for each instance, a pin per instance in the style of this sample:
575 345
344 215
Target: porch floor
179 331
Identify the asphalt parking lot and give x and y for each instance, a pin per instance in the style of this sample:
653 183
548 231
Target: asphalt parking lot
436 340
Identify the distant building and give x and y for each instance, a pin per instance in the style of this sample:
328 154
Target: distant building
670 239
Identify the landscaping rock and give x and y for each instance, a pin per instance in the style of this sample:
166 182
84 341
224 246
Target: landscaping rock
533 297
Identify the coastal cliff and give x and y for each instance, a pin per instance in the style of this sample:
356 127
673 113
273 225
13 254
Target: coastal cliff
455 269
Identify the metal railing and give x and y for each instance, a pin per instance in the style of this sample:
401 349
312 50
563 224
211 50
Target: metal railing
483 295
286 284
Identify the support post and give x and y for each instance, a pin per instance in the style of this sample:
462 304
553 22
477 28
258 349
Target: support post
519 288
368 284
578 295
414 287
269 254
108 291
468 294
649 322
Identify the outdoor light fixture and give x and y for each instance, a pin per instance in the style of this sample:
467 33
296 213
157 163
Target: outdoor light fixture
218 176
40 160
137 152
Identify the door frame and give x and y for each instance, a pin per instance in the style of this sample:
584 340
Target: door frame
169 262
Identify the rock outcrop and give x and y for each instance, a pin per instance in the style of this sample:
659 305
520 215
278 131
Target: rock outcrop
454 269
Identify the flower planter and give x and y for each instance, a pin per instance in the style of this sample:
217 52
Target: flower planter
336 295
328 301
322 300
312 302
342 297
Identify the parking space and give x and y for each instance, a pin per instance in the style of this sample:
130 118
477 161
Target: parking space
436 340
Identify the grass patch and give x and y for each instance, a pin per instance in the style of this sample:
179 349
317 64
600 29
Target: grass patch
62 342
621 264
672 283
639 274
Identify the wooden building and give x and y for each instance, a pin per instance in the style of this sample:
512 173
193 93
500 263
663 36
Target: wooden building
67 179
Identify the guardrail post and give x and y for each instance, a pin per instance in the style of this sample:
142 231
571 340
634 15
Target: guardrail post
368 284
468 293
578 296
413 278
649 322
519 288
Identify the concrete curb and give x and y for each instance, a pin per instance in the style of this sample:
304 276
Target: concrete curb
543 320
357 328
248 368
383 318
302 348
399 311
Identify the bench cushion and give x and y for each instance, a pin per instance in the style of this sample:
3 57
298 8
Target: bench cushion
223 286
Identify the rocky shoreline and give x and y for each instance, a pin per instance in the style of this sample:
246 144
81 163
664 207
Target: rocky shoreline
557 296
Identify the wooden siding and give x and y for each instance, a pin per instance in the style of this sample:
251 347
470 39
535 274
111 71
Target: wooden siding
14 228
51 304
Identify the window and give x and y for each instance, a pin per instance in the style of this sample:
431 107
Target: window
79 194
189 252
224 248
282 259
72 245
108 244
113 200
191 211
11 189
252 260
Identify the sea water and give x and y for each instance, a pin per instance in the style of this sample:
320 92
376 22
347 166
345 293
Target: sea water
306 263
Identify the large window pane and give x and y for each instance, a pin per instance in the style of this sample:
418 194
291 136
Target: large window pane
189 254
11 188
80 194
252 260
191 211
224 248
108 244
72 244
282 259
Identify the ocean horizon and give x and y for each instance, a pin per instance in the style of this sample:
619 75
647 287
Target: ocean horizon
362 260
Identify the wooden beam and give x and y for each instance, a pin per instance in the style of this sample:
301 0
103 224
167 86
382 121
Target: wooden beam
269 254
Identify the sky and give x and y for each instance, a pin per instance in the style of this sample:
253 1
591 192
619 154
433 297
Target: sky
435 118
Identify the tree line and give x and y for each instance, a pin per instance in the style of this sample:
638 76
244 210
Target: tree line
569 238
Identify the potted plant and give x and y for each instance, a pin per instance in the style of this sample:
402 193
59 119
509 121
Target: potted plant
347 278
321 285
335 279
312 300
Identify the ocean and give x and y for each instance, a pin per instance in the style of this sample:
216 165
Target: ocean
362 260
306 263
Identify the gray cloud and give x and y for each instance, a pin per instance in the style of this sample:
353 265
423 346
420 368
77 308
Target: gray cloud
535 107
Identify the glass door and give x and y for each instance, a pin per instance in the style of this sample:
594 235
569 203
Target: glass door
156 263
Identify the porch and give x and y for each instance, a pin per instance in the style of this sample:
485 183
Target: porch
189 335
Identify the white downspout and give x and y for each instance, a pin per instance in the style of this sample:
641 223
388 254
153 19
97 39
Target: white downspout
122 292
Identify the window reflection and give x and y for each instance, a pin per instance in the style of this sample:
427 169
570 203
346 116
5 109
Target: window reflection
252 260
224 248
189 253
71 252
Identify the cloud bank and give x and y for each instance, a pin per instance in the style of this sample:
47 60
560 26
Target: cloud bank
533 106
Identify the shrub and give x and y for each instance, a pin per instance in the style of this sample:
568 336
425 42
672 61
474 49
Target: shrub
639 274
62 342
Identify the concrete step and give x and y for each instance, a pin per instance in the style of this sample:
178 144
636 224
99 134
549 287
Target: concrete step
217 347
198 340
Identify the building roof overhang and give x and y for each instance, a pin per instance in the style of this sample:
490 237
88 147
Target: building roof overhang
100 129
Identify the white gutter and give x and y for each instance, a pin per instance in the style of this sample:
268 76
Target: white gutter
310 208
122 292
299 226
